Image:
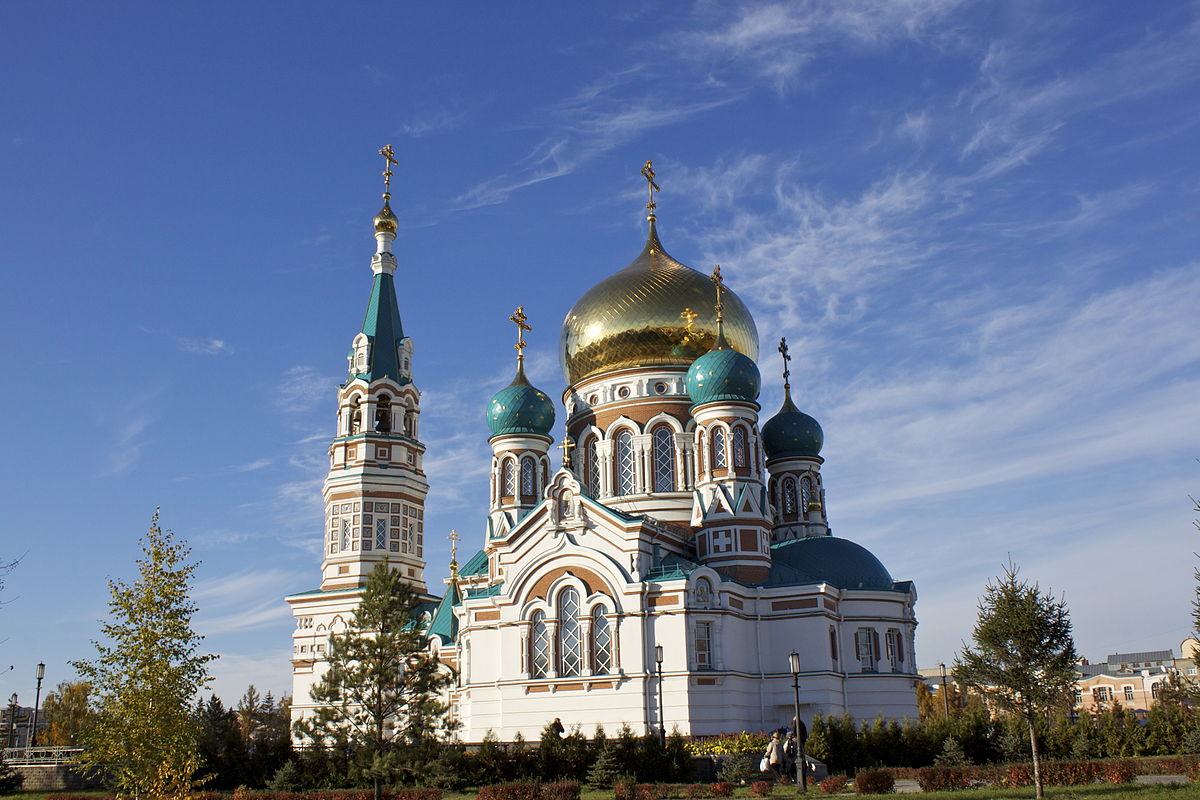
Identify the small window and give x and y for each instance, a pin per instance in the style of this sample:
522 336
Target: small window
509 480
833 644
1156 690
789 496
718 449
741 455
539 646
704 645
625 468
660 388
527 477
1078 696
1128 694
601 642
866 643
895 649
623 392
570 643
664 459
1101 694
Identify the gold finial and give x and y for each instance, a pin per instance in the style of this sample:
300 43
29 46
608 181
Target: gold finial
689 318
389 160
567 446
454 539
651 186
520 319
783 351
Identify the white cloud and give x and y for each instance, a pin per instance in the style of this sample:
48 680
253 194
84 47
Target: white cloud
127 449
301 389
253 466
205 346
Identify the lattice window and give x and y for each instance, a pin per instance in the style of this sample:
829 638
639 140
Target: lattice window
718 449
527 477
509 481
789 496
806 493
593 467
539 646
601 642
664 460
570 643
381 533
739 447
345 543
625 463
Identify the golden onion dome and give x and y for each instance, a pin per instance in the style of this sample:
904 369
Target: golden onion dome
385 220
655 312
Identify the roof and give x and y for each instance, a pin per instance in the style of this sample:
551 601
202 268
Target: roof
671 567
828 559
381 325
486 591
1151 655
444 624
476 565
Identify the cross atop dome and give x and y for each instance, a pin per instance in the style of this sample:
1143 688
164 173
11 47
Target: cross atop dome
651 187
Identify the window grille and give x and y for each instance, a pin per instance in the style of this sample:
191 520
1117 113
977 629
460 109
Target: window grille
789 496
381 533
593 467
570 644
539 646
718 449
624 463
739 447
527 476
601 642
510 479
664 460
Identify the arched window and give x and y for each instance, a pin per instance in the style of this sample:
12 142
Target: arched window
806 492
527 477
383 415
570 644
539 646
664 459
789 496
355 417
592 466
718 449
624 462
740 455
601 642
509 480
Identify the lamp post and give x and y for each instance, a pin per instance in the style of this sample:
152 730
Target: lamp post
12 718
945 691
37 699
801 760
662 718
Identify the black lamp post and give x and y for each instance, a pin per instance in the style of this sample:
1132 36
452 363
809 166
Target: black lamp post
37 699
662 717
12 718
801 760
945 691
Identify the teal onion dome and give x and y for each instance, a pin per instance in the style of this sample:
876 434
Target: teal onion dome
520 408
791 433
723 375
826 559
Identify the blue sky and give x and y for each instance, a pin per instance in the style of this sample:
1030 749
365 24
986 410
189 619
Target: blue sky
974 222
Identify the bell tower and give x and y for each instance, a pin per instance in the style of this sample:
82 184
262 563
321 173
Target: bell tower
375 490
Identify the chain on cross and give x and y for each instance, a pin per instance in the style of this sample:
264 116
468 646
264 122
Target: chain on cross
389 160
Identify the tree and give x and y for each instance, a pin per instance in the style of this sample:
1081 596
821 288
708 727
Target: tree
68 714
1023 659
381 694
145 675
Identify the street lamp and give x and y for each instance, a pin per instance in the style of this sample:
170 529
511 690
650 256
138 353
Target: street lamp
945 691
12 718
801 765
37 699
662 718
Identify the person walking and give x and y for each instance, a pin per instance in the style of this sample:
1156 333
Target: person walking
774 757
790 752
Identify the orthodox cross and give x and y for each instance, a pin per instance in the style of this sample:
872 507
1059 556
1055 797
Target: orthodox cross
783 351
520 319
689 318
719 282
389 160
567 446
652 187
454 539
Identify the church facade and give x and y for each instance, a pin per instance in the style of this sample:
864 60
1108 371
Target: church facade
664 574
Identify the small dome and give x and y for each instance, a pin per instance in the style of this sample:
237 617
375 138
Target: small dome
654 312
723 374
792 433
385 220
827 559
520 408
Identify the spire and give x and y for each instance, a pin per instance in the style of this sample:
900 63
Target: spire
381 322
385 220
652 243
454 539
788 405
719 284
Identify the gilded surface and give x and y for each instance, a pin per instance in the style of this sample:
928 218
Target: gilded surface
654 312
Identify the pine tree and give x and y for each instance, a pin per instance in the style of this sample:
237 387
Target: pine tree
145 675
1023 658
381 692
604 770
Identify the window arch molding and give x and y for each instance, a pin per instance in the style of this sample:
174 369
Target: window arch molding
663 418
620 423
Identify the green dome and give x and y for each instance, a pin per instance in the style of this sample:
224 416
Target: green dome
792 433
826 559
723 374
520 408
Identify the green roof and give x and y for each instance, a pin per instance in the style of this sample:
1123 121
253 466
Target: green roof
487 591
444 624
672 567
381 325
827 559
476 565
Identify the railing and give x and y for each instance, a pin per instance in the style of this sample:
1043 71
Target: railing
16 756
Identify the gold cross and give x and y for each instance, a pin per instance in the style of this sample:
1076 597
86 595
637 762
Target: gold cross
783 350
519 317
389 159
567 446
719 282
689 318
454 539
652 187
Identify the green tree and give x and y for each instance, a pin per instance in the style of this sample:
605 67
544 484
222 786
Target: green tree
1023 658
381 693
68 714
146 674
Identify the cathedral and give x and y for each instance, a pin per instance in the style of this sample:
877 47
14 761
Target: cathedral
665 575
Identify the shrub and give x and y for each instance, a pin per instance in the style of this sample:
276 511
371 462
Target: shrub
722 789
940 779
694 791
1018 775
561 790
510 791
874 781
1069 773
1193 772
761 788
623 789
834 784
651 791
739 768
1117 771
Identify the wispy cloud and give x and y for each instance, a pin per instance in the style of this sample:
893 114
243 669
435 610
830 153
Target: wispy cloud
432 120
205 346
301 389
243 601
127 449
253 466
